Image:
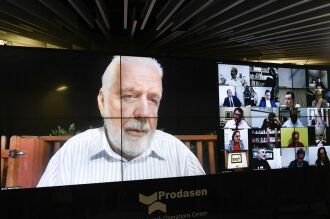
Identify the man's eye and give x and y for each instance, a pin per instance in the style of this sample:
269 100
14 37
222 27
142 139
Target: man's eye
154 100
128 96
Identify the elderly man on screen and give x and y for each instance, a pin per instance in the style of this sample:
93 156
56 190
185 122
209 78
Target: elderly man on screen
128 147
260 162
234 80
319 101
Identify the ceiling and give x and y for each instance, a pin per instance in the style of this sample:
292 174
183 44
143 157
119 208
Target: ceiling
290 31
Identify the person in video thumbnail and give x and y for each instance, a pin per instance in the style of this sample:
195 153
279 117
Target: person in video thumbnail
319 84
318 122
299 161
322 157
231 100
237 122
128 146
295 140
319 102
267 101
271 81
290 100
293 121
250 96
271 122
234 80
260 162
236 144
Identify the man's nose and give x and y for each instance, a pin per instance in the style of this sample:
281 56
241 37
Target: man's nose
141 108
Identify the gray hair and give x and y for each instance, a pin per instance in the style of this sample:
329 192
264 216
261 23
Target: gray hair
109 75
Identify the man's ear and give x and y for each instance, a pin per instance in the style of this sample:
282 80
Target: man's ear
100 102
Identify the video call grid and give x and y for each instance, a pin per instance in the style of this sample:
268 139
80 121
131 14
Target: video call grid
311 112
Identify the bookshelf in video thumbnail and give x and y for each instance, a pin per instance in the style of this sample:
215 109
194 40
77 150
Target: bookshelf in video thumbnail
273 116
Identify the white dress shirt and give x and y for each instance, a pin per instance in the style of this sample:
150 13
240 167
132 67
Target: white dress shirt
289 124
231 103
231 124
88 158
234 82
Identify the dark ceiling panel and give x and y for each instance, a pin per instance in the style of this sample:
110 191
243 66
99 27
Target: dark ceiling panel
169 9
83 11
104 11
220 29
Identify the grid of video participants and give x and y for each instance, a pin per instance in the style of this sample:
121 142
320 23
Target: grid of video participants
273 117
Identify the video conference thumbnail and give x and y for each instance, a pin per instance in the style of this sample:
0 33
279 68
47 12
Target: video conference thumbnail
271 76
283 113
266 158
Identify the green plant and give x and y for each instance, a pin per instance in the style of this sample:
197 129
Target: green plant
63 132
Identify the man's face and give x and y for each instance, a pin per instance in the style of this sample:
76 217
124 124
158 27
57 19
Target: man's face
132 103
229 93
237 116
288 100
262 154
233 73
141 92
267 96
296 138
300 158
322 154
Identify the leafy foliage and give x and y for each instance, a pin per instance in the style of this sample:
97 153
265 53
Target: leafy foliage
63 132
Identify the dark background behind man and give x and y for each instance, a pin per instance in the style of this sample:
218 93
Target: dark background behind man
32 106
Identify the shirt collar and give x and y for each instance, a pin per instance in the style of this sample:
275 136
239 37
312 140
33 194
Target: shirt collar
102 145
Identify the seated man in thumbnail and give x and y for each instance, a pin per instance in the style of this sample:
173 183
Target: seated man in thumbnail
231 100
271 122
234 80
319 84
250 96
236 144
295 140
299 161
237 122
260 162
272 79
293 121
319 102
267 101
290 100
128 146
322 158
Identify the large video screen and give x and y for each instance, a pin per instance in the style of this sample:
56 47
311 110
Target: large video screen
72 117
272 116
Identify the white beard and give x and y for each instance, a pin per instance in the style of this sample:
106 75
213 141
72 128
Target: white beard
130 146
